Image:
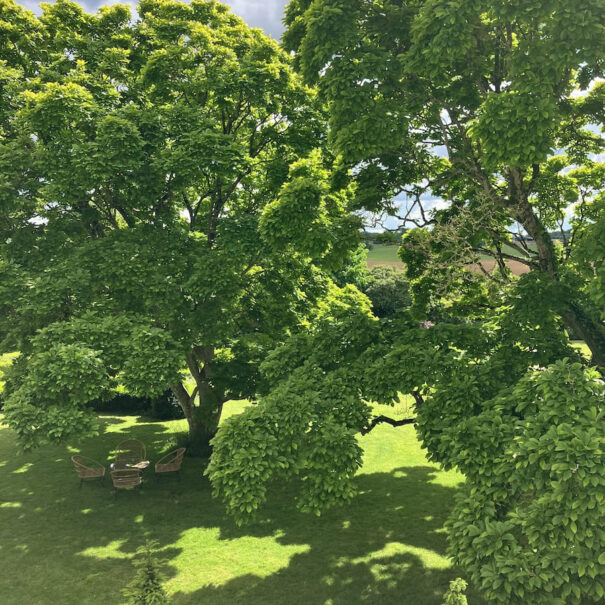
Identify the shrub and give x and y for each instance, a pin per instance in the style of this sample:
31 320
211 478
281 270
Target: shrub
163 407
455 595
121 403
145 587
388 289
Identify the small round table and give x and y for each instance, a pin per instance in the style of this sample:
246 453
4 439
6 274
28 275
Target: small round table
139 466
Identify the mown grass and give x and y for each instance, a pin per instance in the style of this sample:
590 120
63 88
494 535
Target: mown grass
381 253
582 347
62 544
5 360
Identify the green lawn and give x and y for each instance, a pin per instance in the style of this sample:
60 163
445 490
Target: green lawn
5 360
582 347
381 253
64 545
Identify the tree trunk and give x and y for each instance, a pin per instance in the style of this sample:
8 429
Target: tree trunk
572 313
588 330
203 419
200 435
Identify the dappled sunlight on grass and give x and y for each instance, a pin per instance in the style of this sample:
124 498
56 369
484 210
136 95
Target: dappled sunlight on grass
23 469
229 558
430 558
109 551
388 546
582 347
11 505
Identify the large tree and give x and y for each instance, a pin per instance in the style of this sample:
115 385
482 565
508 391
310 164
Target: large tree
492 106
495 108
503 397
149 168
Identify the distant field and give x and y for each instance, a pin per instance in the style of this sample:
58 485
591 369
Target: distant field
382 254
385 253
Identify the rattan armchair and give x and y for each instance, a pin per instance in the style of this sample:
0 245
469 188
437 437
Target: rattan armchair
129 453
87 468
170 463
125 478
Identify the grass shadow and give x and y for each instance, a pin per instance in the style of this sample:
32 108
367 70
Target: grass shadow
388 546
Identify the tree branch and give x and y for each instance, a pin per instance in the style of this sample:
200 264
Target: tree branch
504 255
194 368
183 397
418 397
380 419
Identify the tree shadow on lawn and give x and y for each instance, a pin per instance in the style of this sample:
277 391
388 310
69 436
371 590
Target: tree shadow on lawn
387 547
399 579
75 544
155 436
63 544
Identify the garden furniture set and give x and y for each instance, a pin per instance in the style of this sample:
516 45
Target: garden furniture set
127 469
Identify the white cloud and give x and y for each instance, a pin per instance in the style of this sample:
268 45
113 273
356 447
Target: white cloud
266 14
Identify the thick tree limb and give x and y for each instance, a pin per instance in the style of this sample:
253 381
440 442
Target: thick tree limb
183 398
385 419
194 368
418 398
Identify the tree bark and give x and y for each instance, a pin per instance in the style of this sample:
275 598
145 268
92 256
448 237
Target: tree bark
203 419
185 400
202 430
526 216
591 332
573 315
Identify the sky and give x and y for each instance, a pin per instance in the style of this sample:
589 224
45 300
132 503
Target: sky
266 14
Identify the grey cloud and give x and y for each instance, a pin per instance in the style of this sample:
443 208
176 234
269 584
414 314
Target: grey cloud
29 4
266 14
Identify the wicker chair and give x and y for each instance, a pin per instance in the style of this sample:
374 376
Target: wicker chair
87 468
170 463
125 479
129 452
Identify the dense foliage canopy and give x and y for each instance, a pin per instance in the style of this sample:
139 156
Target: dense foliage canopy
161 204
169 202
494 108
